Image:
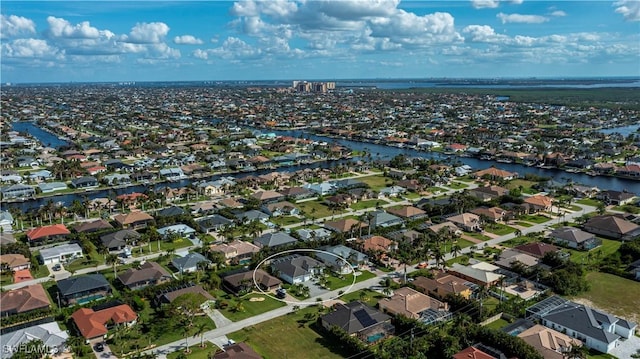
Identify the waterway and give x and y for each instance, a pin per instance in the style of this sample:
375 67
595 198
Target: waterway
623 130
46 138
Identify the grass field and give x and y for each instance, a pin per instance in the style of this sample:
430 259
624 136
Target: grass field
249 308
368 204
613 294
526 185
457 185
376 182
498 324
524 224
535 218
315 209
477 235
370 297
589 202
608 247
499 229
285 220
289 336
337 283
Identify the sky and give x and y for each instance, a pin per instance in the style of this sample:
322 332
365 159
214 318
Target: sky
120 41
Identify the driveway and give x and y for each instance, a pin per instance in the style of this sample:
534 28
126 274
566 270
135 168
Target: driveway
106 353
626 347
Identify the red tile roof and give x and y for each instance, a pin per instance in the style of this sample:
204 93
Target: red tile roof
93 324
47 231
472 353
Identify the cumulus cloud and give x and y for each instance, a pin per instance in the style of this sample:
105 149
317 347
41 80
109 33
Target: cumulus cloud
13 25
629 9
187 40
61 28
558 13
231 49
484 4
30 48
521 19
484 33
148 33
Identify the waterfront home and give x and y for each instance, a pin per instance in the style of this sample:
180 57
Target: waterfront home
612 226
237 251
117 179
52 336
49 187
83 288
415 305
616 198
85 182
359 320
17 191
149 273
23 300
133 220
494 173
538 203
243 282
172 174
488 193
61 254
597 329
96 324
54 232
575 238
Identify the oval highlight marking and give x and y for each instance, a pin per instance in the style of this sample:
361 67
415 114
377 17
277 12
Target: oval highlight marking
353 271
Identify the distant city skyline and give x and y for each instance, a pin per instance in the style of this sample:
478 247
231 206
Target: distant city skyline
123 41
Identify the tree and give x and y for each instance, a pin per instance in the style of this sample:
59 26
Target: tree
187 306
201 329
112 259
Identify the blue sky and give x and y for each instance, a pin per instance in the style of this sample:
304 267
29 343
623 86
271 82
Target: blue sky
96 41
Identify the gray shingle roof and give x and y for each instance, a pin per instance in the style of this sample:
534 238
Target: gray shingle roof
82 283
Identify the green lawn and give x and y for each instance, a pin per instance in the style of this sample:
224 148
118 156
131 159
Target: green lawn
376 182
589 202
457 185
289 336
517 183
285 220
477 235
524 224
249 308
368 204
321 210
614 294
336 283
436 189
196 351
607 248
42 272
370 297
534 218
412 195
498 324
499 229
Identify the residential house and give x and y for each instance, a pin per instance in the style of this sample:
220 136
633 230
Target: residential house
345 225
473 353
213 223
383 219
237 252
60 254
281 209
54 232
96 324
268 196
509 258
118 240
321 189
493 214
482 274
149 273
410 213
494 173
466 221
596 329
23 300
341 259
190 262
297 193
537 249
307 234
83 288
85 182
488 193
445 226
172 174
252 215
17 191
93 226
14 262
538 203
443 284
575 238
393 191
243 282
616 198
173 211
612 227
237 351
6 221
550 343
181 230
134 220
51 335
413 304
295 268
48 187
378 244
274 239
169 295
360 320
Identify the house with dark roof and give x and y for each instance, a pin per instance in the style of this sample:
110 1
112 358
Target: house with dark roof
243 282
488 193
612 227
274 239
172 211
83 288
118 240
616 198
169 295
134 220
341 259
96 324
17 191
360 320
85 182
93 226
213 223
190 262
537 249
297 193
575 238
237 351
383 219
23 300
295 268
596 329
150 273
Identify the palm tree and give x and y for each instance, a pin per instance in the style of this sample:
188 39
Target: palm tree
456 249
386 291
112 259
200 329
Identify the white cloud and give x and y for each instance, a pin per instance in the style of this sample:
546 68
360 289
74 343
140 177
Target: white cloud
630 9
521 19
516 2
187 40
148 33
30 48
200 54
13 25
61 28
484 4
234 48
558 13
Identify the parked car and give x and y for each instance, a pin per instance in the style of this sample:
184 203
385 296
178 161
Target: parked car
57 267
99 347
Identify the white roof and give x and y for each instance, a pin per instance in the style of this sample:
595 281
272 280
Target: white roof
57 251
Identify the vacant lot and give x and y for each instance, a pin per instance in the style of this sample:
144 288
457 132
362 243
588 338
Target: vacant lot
613 294
289 336
376 182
